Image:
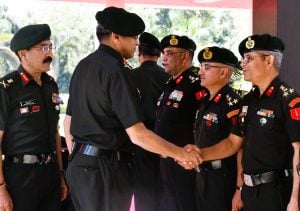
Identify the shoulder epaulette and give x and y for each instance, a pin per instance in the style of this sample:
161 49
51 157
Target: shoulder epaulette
10 79
194 78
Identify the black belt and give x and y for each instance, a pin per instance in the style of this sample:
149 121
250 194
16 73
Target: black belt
210 165
259 179
40 159
91 150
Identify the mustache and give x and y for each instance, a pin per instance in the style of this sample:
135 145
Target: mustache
48 59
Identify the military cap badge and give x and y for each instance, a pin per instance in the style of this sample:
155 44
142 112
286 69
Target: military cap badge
173 40
250 43
207 54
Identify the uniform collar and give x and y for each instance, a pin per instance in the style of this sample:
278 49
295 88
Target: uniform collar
183 75
26 78
112 52
270 90
220 94
148 63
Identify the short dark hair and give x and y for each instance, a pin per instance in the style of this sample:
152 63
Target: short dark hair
148 50
102 32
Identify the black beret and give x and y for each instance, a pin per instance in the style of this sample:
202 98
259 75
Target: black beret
29 36
120 21
149 44
264 42
216 54
178 42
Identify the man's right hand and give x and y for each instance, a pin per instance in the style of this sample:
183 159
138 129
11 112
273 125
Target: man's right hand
5 200
191 157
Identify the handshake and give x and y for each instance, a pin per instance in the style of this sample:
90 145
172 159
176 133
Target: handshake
190 157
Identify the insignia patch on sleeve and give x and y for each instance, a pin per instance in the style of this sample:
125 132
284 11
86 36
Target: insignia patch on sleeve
232 113
294 102
295 114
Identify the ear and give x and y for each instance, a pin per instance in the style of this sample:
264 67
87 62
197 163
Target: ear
22 54
115 37
270 60
224 72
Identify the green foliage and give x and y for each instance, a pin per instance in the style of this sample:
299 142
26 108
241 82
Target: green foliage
73 30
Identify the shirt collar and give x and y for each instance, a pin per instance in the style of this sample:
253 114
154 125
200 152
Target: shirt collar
112 52
220 94
25 76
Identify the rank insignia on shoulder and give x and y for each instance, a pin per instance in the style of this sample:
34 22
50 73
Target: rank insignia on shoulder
6 83
193 78
295 114
294 102
231 101
286 91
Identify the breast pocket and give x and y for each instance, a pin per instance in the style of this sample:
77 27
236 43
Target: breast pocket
266 118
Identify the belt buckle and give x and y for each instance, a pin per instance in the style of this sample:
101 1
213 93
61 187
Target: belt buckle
248 180
216 164
30 159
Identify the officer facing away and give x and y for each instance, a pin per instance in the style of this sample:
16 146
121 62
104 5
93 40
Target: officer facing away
103 114
150 80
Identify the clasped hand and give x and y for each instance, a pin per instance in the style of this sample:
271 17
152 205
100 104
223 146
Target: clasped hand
191 157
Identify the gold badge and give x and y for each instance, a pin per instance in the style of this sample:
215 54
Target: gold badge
207 54
173 40
250 43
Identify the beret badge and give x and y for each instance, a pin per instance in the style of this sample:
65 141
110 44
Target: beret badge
207 54
173 40
250 43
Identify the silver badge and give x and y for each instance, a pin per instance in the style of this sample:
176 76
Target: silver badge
263 121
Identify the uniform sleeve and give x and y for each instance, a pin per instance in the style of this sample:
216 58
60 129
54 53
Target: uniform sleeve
69 107
292 117
237 120
124 99
4 103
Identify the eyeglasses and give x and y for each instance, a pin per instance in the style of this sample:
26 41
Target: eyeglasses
248 58
170 53
45 48
208 66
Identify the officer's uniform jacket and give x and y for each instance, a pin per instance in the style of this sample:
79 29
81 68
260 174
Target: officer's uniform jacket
29 113
177 107
269 124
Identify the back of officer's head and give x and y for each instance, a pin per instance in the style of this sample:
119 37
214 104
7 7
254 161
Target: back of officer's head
119 21
149 44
